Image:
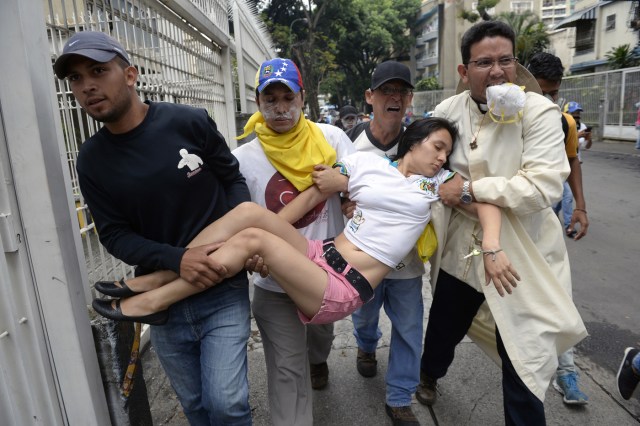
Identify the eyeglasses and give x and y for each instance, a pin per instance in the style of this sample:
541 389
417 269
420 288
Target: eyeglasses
487 64
388 90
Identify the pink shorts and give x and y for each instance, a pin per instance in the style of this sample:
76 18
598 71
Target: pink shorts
340 297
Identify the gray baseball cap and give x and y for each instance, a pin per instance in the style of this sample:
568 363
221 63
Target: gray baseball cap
91 44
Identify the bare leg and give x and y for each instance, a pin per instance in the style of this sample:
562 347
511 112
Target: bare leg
282 247
243 216
303 280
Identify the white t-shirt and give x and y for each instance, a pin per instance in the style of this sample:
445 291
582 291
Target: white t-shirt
270 189
582 142
391 210
411 266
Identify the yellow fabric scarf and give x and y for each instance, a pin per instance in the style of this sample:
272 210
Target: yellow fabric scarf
427 243
295 152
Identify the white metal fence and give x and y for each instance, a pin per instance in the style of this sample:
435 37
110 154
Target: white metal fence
608 99
185 53
427 101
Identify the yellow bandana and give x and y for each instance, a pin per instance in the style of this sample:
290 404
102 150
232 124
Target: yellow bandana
295 152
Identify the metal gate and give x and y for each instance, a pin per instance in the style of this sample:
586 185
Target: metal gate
608 99
185 53
48 366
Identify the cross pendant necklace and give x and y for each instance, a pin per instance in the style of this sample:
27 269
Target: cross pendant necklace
474 140
473 144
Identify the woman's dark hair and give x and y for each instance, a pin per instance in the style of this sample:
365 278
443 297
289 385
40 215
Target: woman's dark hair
482 30
421 129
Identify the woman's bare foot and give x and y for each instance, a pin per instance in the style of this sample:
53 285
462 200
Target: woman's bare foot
149 282
139 305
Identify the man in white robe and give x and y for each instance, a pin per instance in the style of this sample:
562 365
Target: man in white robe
519 165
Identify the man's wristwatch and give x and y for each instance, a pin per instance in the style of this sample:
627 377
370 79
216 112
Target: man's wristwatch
465 197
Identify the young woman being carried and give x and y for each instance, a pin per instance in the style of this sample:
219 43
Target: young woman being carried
329 280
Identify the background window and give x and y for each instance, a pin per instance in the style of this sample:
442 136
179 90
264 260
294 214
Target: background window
611 23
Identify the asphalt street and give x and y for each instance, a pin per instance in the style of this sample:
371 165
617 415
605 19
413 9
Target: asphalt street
604 263
605 288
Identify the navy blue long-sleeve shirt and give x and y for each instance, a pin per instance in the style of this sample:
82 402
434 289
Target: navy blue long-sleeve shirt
151 190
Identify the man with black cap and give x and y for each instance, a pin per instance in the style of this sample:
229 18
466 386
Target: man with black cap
348 118
400 292
153 177
285 150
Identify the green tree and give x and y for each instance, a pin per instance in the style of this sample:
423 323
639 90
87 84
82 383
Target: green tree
339 43
622 57
428 83
367 33
480 12
531 34
303 41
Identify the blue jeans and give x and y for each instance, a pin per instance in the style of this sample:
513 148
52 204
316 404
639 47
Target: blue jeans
565 363
566 205
203 350
403 304
638 138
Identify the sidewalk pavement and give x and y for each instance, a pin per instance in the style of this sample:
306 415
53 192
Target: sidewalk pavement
470 394
615 147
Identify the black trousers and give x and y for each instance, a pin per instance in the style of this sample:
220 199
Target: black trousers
454 306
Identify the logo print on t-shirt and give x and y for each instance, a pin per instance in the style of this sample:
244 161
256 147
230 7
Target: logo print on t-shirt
192 161
427 185
356 220
279 192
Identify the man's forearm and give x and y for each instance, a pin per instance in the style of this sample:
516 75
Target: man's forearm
303 203
575 183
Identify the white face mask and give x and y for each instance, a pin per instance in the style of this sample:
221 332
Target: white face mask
506 102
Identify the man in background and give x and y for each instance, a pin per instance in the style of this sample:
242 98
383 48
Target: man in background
348 118
584 131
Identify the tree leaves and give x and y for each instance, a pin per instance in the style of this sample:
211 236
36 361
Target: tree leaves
622 57
531 34
342 42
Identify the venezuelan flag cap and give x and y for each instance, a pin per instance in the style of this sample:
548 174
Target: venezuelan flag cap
279 70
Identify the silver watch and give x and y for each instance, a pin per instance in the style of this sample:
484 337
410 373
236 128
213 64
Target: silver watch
465 197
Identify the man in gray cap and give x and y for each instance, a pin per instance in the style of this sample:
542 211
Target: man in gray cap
93 45
400 292
153 177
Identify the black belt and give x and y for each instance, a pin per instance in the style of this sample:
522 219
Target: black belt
338 264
